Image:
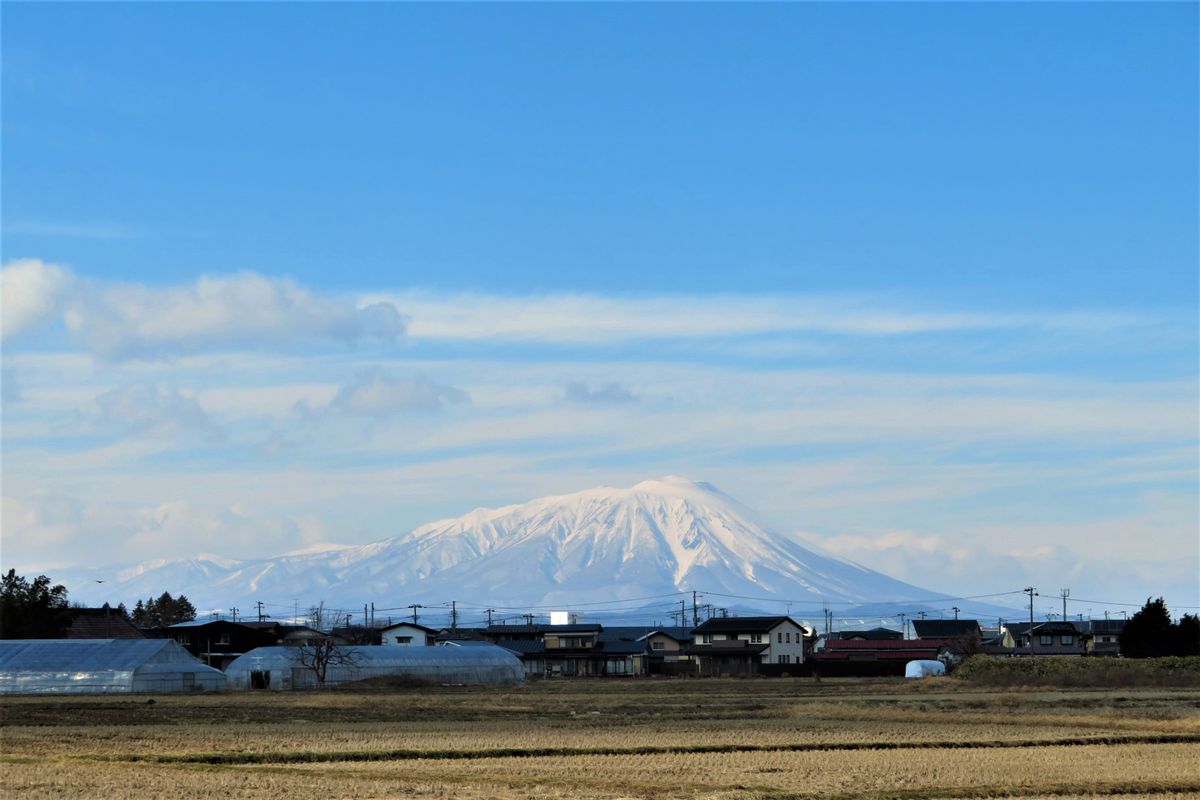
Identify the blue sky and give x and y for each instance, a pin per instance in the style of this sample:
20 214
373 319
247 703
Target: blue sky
910 279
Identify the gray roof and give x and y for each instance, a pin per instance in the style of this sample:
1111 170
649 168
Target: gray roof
1045 626
524 647
743 624
945 628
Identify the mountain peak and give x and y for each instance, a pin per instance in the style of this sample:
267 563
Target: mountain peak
671 484
661 536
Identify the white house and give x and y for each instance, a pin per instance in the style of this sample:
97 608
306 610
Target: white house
408 634
725 645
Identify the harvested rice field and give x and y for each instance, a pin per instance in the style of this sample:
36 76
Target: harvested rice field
654 738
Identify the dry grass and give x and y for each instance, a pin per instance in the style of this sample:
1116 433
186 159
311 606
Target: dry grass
443 742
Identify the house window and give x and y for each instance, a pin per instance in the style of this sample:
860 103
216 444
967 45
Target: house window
780 640
784 659
1067 639
706 638
184 638
788 637
403 640
658 645
1046 638
756 638
224 639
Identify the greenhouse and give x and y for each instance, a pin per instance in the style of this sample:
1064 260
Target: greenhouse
284 667
102 666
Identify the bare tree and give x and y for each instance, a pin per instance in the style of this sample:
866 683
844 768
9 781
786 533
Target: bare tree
320 652
323 619
318 655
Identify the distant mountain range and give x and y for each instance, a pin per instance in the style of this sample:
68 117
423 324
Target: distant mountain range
598 549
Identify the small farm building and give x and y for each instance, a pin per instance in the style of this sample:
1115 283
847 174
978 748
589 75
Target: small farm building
283 667
102 666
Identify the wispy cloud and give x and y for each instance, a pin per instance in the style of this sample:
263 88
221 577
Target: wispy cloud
609 394
70 230
377 394
598 319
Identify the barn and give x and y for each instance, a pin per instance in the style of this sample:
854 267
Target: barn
102 666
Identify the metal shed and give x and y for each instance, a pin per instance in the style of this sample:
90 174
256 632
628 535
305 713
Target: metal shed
280 667
102 666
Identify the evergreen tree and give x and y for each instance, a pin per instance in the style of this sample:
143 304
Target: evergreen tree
1149 633
163 611
32 610
1187 636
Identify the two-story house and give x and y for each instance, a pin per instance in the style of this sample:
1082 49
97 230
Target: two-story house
1050 638
739 645
408 634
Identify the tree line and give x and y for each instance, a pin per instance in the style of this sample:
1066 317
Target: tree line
1150 633
38 609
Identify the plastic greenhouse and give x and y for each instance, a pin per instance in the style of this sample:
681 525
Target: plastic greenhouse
280 667
102 666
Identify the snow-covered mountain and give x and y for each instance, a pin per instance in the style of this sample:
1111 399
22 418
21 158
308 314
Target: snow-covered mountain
657 538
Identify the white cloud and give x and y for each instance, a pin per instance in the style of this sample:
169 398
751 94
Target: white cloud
168 527
246 309
132 320
31 291
376 394
148 408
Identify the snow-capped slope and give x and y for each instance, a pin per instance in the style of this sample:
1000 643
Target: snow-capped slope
656 538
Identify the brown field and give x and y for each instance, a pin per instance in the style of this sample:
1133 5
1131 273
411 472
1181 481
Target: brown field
656 738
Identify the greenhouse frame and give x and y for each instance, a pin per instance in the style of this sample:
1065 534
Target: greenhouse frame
281 668
102 666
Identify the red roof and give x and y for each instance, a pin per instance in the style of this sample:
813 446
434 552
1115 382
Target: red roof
879 650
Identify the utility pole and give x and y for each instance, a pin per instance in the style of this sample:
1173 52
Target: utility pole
453 615
234 611
695 611
683 613
414 607
956 610
528 619
489 613
372 615
903 625
1032 592
1065 594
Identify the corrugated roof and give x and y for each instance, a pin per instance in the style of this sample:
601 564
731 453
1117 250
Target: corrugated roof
80 655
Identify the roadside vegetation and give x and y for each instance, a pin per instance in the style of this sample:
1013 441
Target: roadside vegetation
1081 672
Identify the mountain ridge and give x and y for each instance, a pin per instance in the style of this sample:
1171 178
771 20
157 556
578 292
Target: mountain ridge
658 537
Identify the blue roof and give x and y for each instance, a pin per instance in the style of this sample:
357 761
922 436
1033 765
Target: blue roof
77 655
